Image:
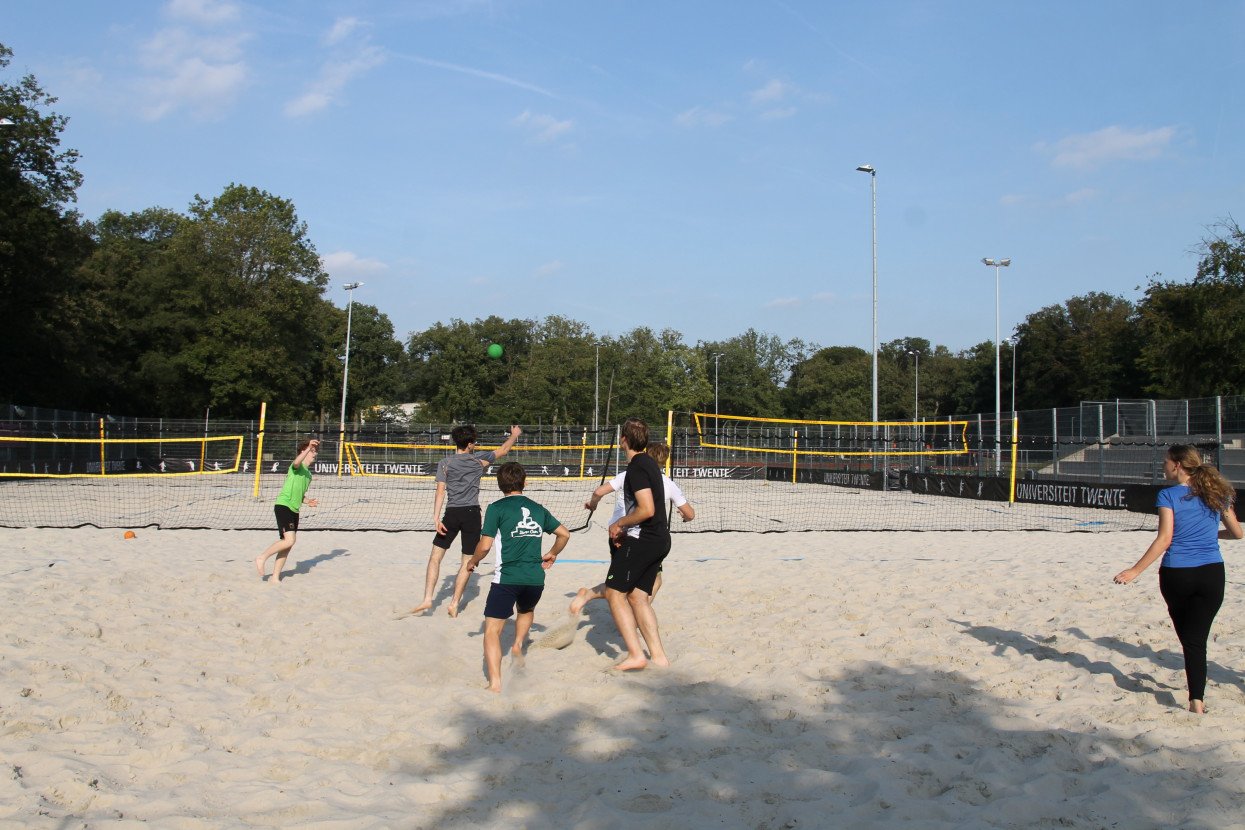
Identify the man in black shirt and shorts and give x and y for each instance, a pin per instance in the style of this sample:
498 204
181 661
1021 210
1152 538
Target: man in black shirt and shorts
641 541
458 488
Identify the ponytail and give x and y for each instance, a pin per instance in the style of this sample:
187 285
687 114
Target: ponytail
1205 481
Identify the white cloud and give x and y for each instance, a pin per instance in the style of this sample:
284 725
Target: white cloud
548 269
542 128
781 112
775 90
206 12
334 76
201 73
341 30
345 265
824 296
700 117
1081 196
782 302
1091 150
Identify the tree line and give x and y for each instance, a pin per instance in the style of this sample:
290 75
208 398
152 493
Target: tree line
223 305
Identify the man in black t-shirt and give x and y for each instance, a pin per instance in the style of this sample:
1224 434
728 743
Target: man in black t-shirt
641 541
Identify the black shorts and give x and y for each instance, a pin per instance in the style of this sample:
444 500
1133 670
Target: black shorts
465 520
503 599
287 520
614 550
635 565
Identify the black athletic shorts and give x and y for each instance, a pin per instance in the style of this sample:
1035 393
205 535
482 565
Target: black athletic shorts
503 599
287 520
635 565
465 520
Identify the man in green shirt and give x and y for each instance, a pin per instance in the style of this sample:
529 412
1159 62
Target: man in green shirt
293 496
513 526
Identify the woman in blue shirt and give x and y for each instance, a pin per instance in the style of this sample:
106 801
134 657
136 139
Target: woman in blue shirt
1191 576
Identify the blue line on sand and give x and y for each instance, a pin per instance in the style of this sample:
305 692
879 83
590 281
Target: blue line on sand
585 561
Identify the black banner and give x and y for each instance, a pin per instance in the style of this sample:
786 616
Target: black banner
734 472
962 487
858 480
1136 498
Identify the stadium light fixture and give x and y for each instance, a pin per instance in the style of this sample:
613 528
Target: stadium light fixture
873 186
996 264
350 287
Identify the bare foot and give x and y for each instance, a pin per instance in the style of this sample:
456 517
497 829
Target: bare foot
661 661
259 566
274 581
517 659
1197 707
453 609
419 609
580 600
493 688
631 664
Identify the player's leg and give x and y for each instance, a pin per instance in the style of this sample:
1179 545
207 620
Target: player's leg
586 595
646 619
460 585
287 522
1193 597
492 651
526 608
624 618
279 563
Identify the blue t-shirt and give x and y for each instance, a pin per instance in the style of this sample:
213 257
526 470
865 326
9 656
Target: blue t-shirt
1195 535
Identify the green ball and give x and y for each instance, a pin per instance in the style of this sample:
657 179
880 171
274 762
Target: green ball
494 351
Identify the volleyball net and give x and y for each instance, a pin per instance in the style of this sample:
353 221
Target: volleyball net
740 474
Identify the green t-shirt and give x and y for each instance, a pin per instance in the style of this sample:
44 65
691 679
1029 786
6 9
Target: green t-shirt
517 524
297 480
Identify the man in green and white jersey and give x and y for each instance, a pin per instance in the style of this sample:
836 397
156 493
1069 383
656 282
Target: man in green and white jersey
513 526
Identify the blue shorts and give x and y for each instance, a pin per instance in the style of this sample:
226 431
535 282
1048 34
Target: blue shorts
503 599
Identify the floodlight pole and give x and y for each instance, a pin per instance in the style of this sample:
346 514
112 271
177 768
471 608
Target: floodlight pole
596 394
873 187
996 264
717 429
350 287
916 387
1012 341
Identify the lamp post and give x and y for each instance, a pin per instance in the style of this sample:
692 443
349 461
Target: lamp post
916 387
996 264
350 287
1013 341
716 426
873 187
596 394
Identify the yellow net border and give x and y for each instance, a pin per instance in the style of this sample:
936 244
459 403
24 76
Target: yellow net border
950 426
104 443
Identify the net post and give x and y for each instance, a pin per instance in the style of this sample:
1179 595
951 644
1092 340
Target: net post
795 446
259 449
102 461
583 452
1011 491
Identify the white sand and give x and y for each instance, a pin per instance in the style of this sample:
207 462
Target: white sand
819 680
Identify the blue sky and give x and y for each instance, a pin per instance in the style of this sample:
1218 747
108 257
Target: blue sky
689 165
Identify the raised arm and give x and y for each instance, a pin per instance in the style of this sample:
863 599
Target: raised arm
515 432
1231 526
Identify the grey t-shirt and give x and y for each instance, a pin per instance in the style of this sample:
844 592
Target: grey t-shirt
461 473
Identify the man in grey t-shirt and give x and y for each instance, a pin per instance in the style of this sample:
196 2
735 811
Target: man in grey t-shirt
458 489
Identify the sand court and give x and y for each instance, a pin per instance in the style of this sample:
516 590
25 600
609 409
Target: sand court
818 680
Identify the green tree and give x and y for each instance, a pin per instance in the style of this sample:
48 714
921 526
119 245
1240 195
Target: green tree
52 361
261 282
1194 333
749 375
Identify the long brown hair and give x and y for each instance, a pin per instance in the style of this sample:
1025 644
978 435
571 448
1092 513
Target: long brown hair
1205 481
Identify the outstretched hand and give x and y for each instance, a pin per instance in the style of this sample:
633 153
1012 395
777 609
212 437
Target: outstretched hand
1127 576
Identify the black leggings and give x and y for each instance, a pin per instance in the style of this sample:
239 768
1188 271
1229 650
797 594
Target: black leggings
1193 598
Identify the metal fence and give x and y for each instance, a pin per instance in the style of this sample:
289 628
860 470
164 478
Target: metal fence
1099 441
